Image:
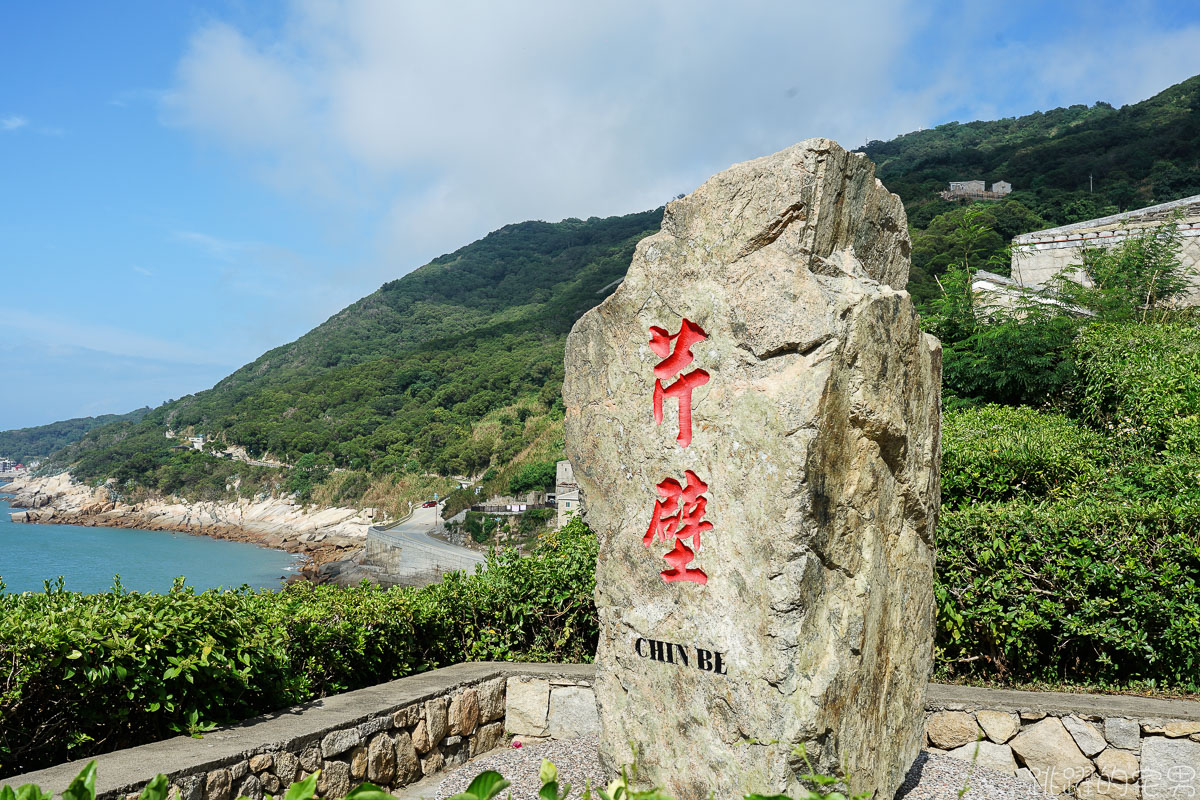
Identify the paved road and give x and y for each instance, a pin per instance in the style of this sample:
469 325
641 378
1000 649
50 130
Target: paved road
408 551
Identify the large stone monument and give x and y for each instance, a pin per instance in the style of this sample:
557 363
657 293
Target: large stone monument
753 419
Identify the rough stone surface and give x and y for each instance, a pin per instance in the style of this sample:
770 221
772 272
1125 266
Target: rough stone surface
989 754
421 739
491 700
1097 789
217 785
528 706
334 780
272 784
1123 733
338 742
486 738
408 764
358 763
464 713
261 762
251 787
1000 726
1052 755
1170 768
1179 728
239 770
1023 774
949 729
373 726
573 712
433 763
406 717
817 435
381 760
437 718
310 758
1086 735
191 787
1117 765
285 767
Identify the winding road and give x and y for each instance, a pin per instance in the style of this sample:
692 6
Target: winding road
414 552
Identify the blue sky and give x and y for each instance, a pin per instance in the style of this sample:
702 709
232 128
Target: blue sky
184 186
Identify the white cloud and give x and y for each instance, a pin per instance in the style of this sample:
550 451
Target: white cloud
459 118
12 123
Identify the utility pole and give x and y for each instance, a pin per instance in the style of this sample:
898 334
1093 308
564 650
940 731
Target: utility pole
1089 183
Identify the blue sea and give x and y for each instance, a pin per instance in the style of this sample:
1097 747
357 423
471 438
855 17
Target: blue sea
147 561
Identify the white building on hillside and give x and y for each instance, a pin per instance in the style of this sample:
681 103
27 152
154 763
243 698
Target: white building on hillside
566 493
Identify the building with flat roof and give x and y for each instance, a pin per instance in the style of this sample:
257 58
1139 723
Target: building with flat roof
1039 256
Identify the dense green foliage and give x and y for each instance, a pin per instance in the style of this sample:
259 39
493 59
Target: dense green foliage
31 444
1137 155
1066 165
93 673
400 381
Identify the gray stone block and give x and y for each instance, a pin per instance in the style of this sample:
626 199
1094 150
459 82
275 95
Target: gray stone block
527 706
573 712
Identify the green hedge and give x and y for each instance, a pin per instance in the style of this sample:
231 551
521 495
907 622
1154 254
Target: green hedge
85 674
1089 592
994 453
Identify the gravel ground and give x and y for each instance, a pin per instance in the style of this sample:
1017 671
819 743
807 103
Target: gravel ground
933 776
577 761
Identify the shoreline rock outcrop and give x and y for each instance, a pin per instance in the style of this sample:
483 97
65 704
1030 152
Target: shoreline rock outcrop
321 535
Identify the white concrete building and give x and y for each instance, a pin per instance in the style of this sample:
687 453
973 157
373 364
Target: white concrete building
1039 256
1001 187
566 492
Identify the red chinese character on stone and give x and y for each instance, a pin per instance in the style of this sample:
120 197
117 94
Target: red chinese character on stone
672 364
680 515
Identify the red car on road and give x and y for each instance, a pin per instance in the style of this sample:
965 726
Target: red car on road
429 504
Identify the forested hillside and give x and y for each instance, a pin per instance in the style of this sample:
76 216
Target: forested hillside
456 368
1065 165
449 370
30 444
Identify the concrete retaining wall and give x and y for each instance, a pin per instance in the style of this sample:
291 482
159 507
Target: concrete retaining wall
1091 747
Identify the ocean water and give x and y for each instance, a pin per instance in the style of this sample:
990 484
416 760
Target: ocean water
147 561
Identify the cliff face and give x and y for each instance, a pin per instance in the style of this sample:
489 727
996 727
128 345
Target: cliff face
323 534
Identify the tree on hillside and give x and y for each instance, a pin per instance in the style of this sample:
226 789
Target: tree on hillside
1139 280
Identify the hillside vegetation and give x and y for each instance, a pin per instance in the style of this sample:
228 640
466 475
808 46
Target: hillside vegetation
33 444
456 368
451 370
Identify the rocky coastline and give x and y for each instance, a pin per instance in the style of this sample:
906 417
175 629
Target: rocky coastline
321 536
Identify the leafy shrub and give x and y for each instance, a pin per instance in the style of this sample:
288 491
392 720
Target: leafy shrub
1141 382
1084 591
535 519
93 673
537 477
995 453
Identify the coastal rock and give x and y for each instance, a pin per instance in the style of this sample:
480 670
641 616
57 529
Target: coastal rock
773 298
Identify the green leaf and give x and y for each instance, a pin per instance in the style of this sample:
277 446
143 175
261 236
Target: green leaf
74 654
84 785
32 791
368 791
156 789
549 791
303 790
485 786
548 773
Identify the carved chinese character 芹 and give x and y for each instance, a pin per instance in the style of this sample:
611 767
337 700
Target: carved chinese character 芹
679 515
673 363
